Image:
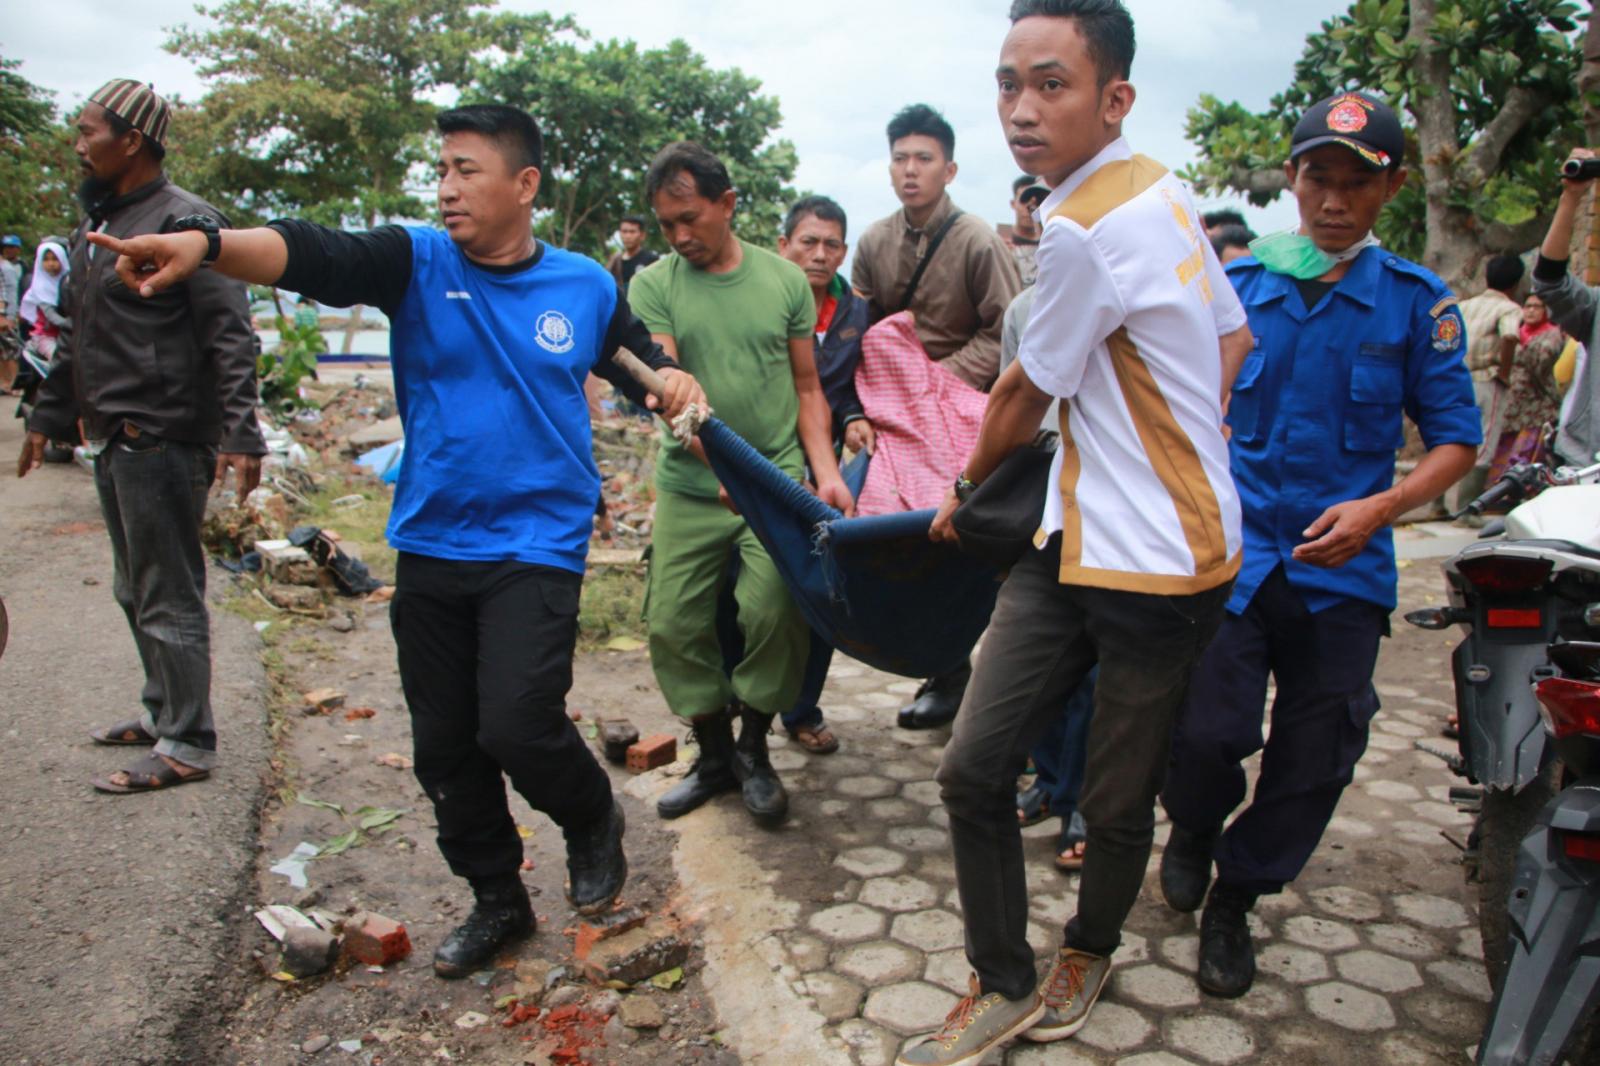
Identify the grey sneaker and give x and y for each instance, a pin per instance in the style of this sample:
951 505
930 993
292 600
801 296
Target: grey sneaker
1069 991
976 1025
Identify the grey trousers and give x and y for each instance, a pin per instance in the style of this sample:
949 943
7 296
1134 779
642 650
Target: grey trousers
153 496
1043 639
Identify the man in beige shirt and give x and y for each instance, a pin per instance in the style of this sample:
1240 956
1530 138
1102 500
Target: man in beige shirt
959 302
1491 318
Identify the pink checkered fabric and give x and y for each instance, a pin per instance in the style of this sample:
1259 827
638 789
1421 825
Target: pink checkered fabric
926 420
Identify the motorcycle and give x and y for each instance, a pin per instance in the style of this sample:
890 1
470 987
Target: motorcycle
1552 981
1531 581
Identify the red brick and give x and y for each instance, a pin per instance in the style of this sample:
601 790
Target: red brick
656 750
375 940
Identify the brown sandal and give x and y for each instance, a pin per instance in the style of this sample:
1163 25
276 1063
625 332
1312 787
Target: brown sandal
125 733
149 774
817 739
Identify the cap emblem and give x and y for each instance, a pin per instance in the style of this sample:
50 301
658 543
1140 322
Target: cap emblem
1348 114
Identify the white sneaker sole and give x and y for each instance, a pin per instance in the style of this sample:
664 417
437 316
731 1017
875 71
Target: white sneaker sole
972 1059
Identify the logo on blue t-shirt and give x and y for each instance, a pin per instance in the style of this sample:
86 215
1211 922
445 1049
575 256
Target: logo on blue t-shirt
553 331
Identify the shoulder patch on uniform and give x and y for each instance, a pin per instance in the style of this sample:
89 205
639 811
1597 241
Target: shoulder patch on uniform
1439 308
1108 189
1447 332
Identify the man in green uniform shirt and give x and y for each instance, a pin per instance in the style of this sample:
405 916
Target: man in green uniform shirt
741 318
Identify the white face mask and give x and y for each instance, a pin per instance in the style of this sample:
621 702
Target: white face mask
1293 253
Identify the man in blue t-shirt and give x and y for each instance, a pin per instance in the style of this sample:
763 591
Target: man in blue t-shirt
492 336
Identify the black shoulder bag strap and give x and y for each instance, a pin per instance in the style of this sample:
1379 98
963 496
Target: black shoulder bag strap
922 265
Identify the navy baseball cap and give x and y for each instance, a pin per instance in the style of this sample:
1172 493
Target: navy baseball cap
1358 121
10 240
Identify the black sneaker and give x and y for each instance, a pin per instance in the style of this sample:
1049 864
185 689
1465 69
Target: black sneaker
1186 868
596 866
937 701
501 915
1227 957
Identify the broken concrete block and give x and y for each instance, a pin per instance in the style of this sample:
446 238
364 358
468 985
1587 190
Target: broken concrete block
641 1012
323 700
295 597
307 952
375 940
635 956
656 750
618 735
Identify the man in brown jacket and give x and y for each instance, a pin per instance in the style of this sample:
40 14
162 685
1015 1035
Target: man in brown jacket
959 302
162 385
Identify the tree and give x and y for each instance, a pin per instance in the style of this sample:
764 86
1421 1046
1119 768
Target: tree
606 108
1489 91
38 170
322 108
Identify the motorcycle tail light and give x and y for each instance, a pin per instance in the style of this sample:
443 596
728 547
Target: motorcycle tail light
1503 573
1584 846
1513 618
1569 708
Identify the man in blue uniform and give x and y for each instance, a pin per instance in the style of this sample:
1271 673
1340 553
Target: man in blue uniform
1348 338
492 336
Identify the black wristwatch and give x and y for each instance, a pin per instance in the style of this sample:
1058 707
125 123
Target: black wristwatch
965 487
202 224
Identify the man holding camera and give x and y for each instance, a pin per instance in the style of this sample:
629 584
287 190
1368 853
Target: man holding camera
1572 307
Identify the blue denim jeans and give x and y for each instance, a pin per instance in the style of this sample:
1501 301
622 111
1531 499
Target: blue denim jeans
153 497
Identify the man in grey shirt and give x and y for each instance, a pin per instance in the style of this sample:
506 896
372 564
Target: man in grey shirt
10 298
1572 307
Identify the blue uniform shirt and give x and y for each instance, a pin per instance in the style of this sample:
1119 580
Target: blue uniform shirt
488 372
1316 412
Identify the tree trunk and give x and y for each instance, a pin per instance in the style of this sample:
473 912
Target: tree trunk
1451 248
1586 253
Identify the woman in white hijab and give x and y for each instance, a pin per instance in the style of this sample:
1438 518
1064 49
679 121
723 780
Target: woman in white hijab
39 303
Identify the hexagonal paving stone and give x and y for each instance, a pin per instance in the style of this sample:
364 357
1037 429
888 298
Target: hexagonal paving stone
1134 949
904 771
940 817
1182 952
1469 979
833 808
880 699
1445 1014
1156 986
1387 742
949 969
865 787
1211 1038
872 1045
1292 964
1382 973
1399 692
1266 999
1344 825
847 921
871 861
788 760
1056 908
924 792
1324 934
1393 791
1469 942
880 962
898 893
1445 814
931 930
892 810
1350 1007
1153 1058
808 952
1401 729
916 838
1113 1027
1348 903
843 712
1403 940
940 867
1432 911
1060 1054
835 997
1286 902
1413 1049
909 1007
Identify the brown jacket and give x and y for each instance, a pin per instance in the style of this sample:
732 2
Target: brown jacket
960 304
180 365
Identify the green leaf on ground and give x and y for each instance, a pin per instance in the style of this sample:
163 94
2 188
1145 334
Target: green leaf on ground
373 817
323 804
667 980
624 644
339 844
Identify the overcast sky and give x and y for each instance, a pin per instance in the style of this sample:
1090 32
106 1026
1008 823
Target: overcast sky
839 68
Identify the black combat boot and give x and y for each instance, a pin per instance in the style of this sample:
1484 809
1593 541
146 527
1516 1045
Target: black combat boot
500 915
712 772
1186 868
596 866
764 795
1227 957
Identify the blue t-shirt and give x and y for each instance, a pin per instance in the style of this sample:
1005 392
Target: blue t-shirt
1316 411
488 371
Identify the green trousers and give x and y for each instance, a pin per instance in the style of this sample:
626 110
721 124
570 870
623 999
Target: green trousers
693 540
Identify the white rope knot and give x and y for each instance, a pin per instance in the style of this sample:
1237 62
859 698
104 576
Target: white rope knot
687 424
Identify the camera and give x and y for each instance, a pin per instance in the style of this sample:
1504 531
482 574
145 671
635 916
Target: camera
1581 169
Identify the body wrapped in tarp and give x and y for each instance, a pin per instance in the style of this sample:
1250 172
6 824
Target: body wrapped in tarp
875 588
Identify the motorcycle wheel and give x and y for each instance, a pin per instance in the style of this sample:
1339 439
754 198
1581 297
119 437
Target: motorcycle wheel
1505 820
